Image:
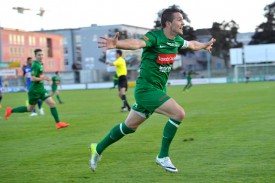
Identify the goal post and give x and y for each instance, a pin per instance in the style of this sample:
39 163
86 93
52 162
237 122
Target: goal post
254 72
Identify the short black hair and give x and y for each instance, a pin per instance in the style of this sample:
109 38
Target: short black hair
119 52
167 15
37 50
29 58
56 72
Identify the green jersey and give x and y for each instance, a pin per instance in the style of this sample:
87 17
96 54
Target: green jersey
37 71
55 82
190 73
157 58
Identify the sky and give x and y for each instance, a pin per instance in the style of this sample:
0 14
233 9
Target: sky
60 14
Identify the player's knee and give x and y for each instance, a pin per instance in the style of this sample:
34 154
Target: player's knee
52 103
180 115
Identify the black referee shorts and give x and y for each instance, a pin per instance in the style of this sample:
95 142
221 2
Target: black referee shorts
122 82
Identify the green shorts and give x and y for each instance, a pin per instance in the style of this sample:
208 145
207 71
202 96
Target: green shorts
54 88
189 79
35 95
148 99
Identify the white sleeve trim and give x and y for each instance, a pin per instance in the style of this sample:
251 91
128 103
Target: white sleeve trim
185 44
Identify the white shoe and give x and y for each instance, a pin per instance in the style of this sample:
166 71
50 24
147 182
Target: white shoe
124 109
33 114
166 164
95 157
41 111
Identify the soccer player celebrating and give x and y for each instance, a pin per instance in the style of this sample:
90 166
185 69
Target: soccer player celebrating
159 52
55 82
38 92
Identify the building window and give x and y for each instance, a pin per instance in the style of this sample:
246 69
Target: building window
94 38
78 53
66 61
14 39
18 39
11 51
218 66
22 40
77 38
31 40
65 41
42 41
49 47
10 39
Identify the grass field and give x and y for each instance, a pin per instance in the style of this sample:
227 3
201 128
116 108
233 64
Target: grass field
233 126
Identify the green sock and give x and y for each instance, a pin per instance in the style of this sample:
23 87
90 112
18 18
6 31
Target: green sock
115 134
55 114
58 98
185 87
20 109
169 132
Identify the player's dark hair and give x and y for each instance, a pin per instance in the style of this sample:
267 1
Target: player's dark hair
29 58
119 52
36 51
168 15
56 72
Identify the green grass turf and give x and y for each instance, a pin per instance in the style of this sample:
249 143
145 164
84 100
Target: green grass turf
233 126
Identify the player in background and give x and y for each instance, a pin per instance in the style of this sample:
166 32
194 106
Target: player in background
115 81
1 96
121 71
27 83
190 74
54 83
159 52
37 92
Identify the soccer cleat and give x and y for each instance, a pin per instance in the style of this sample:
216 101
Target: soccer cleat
166 164
61 125
95 157
8 113
41 111
33 114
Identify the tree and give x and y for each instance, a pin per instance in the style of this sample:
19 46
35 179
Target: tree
265 32
225 34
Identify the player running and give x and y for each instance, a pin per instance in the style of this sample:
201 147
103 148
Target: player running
27 83
159 52
38 92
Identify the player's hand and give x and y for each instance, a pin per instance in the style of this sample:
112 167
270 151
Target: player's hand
209 45
47 78
108 43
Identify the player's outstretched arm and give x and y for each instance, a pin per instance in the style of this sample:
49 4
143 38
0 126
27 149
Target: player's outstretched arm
126 44
195 45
